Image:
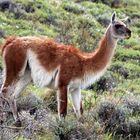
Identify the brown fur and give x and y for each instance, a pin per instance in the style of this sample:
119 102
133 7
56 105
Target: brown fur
51 54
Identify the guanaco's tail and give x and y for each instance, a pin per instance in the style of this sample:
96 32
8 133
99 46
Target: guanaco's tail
8 40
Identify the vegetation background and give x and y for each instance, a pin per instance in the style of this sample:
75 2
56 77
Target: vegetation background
112 104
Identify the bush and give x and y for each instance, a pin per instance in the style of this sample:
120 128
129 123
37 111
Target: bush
69 130
120 118
111 115
28 101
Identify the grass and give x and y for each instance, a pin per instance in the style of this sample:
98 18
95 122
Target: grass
77 22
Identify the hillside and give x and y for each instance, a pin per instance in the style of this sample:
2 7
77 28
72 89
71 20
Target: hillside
112 104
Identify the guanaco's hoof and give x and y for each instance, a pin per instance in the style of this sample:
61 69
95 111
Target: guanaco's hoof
18 123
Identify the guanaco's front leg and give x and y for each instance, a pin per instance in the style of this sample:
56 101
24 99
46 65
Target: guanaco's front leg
62 101
77 102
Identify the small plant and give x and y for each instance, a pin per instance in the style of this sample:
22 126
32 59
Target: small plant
68 129
28 102
62 128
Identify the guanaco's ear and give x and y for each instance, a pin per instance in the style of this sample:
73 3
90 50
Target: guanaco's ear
126 20
113 17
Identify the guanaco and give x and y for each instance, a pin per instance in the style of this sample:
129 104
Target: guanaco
64 68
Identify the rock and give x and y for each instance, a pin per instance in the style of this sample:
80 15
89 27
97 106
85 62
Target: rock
11 7
29 9
17 9
116 3
5 4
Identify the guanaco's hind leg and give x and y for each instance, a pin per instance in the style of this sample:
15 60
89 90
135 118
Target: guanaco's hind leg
18 87
15 63
6 94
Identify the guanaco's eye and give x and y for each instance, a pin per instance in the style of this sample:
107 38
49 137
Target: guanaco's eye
117 26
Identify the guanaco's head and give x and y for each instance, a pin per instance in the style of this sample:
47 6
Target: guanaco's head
119 29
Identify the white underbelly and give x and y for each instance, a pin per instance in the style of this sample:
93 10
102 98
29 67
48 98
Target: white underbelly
40 76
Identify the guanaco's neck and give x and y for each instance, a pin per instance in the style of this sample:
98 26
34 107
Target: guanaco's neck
103 54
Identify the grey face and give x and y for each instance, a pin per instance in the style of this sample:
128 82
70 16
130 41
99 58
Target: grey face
119 29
